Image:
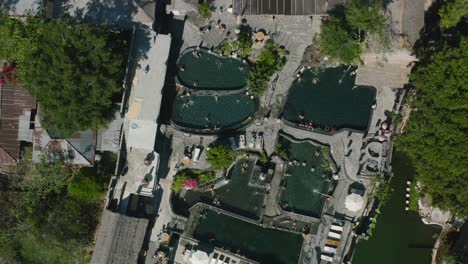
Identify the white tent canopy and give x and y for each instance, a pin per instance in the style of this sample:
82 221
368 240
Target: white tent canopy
199 257
354 202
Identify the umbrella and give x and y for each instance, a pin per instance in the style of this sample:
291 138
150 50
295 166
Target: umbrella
354 202
199 257
382 138
384 126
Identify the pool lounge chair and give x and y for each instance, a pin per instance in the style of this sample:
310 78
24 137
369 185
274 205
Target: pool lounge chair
197 154
331 242
329 249
336 228
326 258
334 235
242 141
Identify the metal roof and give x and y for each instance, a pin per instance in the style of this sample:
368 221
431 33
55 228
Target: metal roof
14 102
120 239
285 7
20 7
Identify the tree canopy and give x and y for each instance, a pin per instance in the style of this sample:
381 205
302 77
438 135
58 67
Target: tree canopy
344 35
220 157
436 138
452 13
74 70
49 211
335 42
271 59
365 15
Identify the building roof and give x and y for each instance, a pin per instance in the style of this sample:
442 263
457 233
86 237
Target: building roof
146 95
120 239
20 7
148 81
108 138
284 7
79 147
15 102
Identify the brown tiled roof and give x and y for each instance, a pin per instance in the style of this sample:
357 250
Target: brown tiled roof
13 101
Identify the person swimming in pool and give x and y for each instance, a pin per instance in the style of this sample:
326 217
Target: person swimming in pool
241 68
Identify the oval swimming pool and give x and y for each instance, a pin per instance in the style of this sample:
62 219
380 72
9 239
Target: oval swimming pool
201 69
212 114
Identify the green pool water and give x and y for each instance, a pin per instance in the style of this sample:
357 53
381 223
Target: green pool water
255 242
299 192
400 236
211 71
330 102
236 196
207 112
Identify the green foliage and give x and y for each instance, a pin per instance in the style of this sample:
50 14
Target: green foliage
200 175
178 183
73 70
242 46
366 15
325 151
337 43
45 180
205 9
206 177
271 59
435 138
343 37
382 190
17 38
59 225
281 151
414 197
450 259
220 157
452 13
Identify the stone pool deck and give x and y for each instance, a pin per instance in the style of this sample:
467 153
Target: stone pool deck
295 33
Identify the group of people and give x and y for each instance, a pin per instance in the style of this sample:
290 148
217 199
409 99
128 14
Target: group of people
309 125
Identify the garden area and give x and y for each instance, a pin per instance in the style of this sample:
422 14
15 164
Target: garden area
271 58
50 210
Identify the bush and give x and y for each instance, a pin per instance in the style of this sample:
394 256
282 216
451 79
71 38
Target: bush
178 183
205 9
271 59
337 43
220 157
242 46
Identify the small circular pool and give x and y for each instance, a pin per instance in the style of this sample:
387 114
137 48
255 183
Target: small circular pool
212 114
201 69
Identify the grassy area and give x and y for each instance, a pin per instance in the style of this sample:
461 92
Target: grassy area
61 227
